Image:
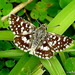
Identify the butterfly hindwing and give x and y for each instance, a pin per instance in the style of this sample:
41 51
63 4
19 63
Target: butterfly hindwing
52 43
44 51
23 41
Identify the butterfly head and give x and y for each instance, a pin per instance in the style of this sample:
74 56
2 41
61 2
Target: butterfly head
43 26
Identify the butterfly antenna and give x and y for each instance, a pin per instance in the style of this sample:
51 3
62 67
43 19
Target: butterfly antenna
53 26
38 21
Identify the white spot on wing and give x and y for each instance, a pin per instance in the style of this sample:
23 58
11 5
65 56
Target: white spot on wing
39 56
17 19
64 39
26 25
54 42
54 37
21 48
21 23
67 46
13 32
46 48
50 43
18 25
29 26
41 47
44 42
46 57
22 28
51 36
24 39
24 32
58 39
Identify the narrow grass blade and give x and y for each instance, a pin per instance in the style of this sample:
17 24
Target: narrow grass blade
11 53
65 18
6 35
53 66
25 65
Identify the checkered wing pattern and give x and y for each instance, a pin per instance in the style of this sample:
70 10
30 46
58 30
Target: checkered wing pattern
44 50
20 26
23 41
52 43
48 43
23 31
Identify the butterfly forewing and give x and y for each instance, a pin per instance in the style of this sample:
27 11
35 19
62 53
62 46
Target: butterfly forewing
20 26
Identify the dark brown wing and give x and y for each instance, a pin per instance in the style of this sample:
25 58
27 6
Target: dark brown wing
20 26
52 43
58 42
23 41
44 51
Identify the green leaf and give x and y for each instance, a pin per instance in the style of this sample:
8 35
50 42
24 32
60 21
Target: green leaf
25 65
20 13
43 15
24 0
17 1
5 36
6 24
36 23
70 66
5 45
34 14
53 10
4 71
63 3
2 64
11 53
31 5
64 19
0 12
7 8
73 47
53 66
2 4
1 24
41 6
9 63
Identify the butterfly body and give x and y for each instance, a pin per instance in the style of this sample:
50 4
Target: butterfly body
36 40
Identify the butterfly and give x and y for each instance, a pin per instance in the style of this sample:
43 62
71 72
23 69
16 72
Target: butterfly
36 40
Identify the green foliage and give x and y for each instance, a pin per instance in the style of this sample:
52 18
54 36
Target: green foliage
2 64
63 3
39 11
4 71
70 66
51 12
31 5
9 63
24 0
20 13
8 7
5 45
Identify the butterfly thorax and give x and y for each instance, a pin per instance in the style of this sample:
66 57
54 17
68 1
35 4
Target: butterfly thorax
38 36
